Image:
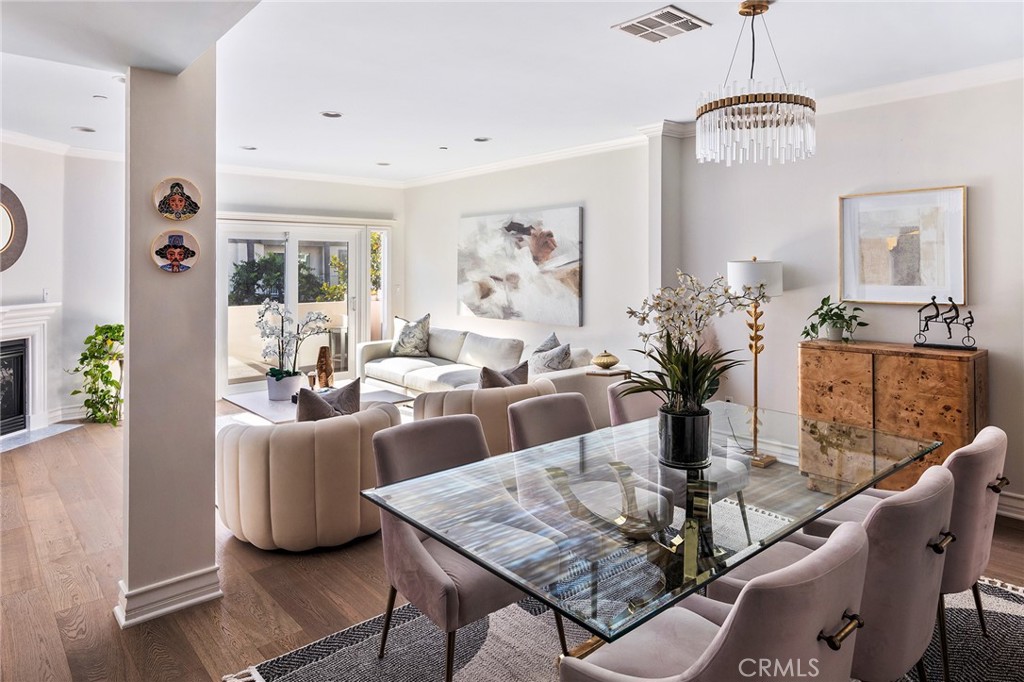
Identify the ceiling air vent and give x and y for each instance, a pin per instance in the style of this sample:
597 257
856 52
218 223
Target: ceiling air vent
662 23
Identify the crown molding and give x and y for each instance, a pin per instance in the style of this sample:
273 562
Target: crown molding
533 160
30 142
97 154
953 81
306 176
678 129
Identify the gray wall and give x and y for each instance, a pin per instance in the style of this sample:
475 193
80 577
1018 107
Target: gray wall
790 213
611 187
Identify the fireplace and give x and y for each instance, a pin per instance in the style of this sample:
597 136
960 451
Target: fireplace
28 324
13 386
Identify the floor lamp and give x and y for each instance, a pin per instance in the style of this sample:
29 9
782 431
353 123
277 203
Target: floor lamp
752 273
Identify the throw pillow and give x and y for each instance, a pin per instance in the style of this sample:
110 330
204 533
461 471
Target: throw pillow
314 406
549 343
551 360
491 378
412 340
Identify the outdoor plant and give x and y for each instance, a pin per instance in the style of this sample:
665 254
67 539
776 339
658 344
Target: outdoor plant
275 323
834 315
103 348
688 372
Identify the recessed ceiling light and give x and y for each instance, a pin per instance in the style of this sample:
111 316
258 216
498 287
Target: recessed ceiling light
481 139
248 148
83 129
99 97
331 114
444 149
383 163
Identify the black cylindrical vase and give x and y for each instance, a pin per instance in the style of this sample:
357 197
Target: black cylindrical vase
684 440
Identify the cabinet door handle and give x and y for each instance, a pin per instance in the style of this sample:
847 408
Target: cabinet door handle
998 486
940 546
835 642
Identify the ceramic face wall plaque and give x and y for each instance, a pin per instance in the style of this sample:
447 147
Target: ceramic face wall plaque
177 199
175 251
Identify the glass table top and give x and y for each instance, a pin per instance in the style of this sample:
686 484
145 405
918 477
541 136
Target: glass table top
599 530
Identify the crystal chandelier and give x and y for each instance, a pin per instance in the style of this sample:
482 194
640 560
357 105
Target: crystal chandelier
751 122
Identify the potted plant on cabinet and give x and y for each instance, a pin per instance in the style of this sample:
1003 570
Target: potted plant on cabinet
274 323
834 320
688 372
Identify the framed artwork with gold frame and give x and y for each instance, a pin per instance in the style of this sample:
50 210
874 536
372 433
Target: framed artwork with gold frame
904 247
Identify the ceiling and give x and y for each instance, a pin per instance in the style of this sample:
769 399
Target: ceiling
410 78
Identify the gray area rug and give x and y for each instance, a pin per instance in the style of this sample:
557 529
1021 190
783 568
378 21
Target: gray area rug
520 643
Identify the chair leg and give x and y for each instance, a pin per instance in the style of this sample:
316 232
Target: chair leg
922 676
942 637
449 658
743 513
981 611
387 619
561 633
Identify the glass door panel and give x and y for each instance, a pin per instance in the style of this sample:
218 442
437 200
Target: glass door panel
378 285
325 271
256 273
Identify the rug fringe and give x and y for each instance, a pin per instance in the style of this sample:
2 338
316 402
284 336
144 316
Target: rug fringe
1009 587
250 674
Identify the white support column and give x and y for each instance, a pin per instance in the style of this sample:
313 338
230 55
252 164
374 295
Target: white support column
169 546
665 200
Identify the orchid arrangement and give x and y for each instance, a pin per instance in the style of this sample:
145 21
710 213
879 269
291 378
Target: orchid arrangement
675 318
274 322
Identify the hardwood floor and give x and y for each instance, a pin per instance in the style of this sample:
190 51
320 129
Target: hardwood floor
61 525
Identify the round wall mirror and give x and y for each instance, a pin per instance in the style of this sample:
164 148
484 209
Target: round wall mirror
13 227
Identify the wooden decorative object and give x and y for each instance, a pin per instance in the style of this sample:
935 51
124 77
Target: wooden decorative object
926 393
325 367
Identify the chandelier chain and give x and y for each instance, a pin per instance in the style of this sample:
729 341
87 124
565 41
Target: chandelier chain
734 51
777 62
753 48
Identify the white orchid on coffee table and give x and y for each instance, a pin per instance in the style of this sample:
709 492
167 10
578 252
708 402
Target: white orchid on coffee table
274 323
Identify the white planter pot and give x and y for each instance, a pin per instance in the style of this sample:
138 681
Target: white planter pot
285 388
832 333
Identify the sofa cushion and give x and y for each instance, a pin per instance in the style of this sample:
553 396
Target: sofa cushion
445 343
551 360
411 341
314 406
492 378
580 357
393 370
487 351
442 378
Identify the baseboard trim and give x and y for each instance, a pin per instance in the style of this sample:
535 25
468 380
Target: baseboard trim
168 596
1011 505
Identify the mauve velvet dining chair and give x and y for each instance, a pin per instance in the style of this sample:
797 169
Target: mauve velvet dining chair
799 621
447 587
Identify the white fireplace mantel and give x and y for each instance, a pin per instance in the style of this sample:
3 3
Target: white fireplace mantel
29 322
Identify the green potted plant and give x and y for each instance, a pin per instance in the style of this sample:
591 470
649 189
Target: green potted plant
104 349
834 320
274 323
687 372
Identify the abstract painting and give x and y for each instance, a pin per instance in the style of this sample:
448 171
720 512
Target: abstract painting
903 247
524 265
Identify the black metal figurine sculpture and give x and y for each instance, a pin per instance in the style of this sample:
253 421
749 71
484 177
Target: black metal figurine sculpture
950 317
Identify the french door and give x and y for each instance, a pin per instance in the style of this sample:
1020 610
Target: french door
308 268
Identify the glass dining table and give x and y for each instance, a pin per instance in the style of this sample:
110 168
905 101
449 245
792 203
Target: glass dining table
625 537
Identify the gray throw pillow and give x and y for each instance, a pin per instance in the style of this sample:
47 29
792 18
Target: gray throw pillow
551 360
413 339
549 343
314 406
491 378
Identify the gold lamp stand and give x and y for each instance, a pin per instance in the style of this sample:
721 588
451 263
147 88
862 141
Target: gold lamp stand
755 325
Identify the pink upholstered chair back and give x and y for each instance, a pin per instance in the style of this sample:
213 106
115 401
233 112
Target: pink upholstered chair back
420 448
548 418
623 409
903 577
779 615
974 467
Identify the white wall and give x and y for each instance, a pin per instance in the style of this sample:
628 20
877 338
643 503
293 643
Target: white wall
611 187
790 213
37 177
93 239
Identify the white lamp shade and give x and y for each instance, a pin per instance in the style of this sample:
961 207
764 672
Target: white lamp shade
751 273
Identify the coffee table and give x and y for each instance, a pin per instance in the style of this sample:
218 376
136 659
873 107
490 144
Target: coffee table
283 411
